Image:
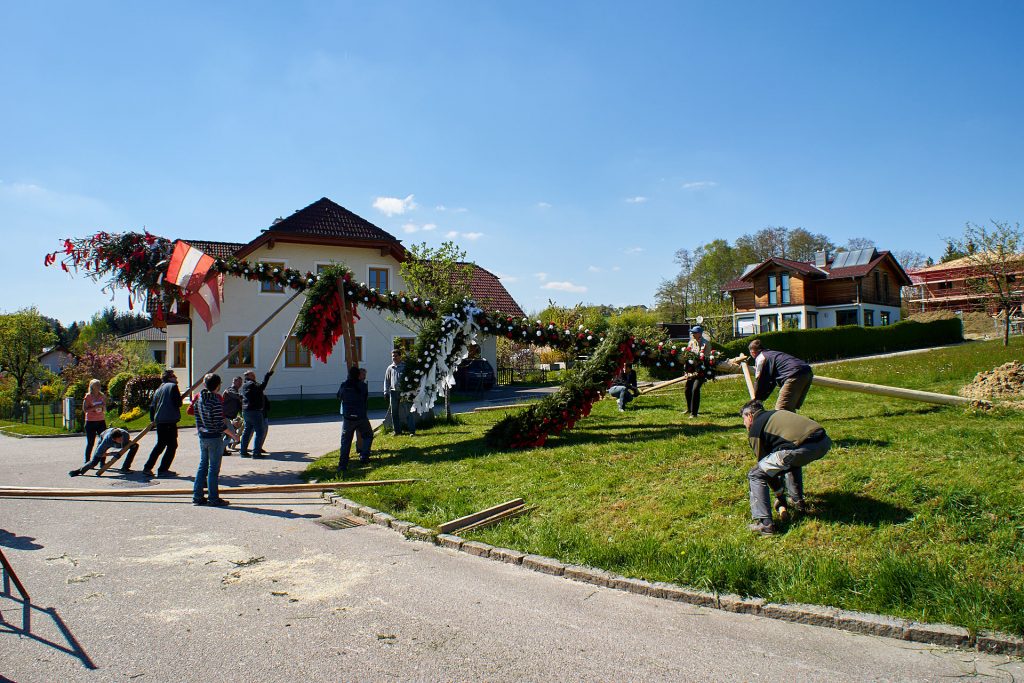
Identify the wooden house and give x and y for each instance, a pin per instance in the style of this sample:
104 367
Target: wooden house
859 287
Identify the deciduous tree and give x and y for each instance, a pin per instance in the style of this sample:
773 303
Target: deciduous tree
996 255
23 336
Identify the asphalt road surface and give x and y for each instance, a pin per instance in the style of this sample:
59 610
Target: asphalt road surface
158 590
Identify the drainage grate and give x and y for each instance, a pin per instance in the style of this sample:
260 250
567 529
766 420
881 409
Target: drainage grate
346 522
130 483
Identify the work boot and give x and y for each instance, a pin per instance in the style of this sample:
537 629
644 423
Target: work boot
765 528
74 473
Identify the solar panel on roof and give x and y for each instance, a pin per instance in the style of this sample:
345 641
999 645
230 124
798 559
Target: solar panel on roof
750 267
841 258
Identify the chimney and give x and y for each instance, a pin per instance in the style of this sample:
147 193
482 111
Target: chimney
821 259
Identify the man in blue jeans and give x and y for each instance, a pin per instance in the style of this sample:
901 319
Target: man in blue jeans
212 426
624 386
783 442
252 413
393 394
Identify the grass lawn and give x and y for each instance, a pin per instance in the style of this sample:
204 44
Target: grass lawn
10 427
917 511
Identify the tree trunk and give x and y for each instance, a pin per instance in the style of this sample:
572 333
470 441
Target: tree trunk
1006 328
447 404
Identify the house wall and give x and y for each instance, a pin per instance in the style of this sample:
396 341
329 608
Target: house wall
875 294
743 299
246 306
836 292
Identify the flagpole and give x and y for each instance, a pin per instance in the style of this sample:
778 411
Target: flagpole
188 392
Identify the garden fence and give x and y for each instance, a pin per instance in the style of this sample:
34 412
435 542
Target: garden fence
43 413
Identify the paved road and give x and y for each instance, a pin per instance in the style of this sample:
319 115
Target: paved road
158 590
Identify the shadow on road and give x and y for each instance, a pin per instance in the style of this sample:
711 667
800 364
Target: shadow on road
10 540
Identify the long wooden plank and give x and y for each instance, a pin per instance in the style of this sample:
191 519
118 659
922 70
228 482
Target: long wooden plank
746 378
500 517
455 524
157 491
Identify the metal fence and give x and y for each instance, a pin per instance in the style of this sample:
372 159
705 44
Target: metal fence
43 413
529 376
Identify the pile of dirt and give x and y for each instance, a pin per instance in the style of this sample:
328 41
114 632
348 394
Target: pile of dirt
1006 381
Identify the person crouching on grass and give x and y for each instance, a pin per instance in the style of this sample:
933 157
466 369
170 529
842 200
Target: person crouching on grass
783 443
212 426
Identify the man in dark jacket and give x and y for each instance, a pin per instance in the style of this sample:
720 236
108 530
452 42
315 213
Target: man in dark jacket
353 395
165 411
111 438
252 412
783 442
775 368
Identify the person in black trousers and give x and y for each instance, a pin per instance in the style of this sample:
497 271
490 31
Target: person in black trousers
701 347
165 411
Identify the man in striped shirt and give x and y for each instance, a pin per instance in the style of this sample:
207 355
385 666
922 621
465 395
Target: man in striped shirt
212 426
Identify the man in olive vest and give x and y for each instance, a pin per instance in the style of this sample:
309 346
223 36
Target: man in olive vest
783 442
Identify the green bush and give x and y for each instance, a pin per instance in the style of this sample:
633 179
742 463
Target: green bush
139 391
47 394
77 389
6 406
832 343
117 384
151 368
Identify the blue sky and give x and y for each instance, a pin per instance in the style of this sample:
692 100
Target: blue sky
571 148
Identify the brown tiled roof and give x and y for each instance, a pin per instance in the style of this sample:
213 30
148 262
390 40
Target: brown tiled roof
217 249
491 295
799 266
324 218
808 268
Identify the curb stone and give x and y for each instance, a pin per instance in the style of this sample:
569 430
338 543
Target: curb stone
945 635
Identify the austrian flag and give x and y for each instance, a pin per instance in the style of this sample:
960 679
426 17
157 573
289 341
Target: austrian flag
190 271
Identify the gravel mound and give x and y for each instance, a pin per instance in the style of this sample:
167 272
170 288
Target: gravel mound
1006 381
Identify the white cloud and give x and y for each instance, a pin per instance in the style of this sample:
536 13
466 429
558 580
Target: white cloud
393 206
471 236
506 278
427 227
45 199
458 209
543 205
541 276
633 250
636 200
410 228
616 269
593 269
700 185
564 287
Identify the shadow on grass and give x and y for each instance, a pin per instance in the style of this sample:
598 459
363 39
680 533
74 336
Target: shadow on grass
844 507
885 413
850 443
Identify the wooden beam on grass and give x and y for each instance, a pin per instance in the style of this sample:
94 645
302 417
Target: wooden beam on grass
42 492
462 522
500 517
894 392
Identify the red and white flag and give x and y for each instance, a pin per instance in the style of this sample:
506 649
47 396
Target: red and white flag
190 270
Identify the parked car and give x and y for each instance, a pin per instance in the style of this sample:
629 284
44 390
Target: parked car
473 375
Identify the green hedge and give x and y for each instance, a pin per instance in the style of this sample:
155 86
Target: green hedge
831 343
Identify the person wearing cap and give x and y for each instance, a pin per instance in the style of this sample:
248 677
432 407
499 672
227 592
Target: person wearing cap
775 368
783 442
701 347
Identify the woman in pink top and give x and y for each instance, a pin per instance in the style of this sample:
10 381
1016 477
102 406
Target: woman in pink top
95 408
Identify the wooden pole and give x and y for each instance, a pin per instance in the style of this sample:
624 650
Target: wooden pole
663 385
284 345
14 492
746 377
189 391
893 392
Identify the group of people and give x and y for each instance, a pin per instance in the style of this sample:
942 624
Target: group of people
782 441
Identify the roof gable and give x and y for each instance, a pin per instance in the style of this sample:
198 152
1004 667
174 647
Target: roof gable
324 218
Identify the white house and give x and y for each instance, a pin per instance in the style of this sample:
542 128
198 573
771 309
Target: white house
311 238
155 340
56 358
